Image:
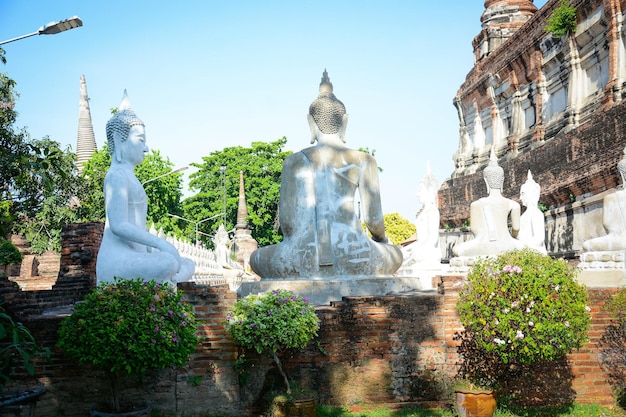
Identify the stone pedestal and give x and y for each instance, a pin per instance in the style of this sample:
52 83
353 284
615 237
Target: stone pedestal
425 274
602 269
602 260
322 292
462 264
607 278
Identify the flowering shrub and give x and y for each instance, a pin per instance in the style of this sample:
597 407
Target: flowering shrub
130 326
523 307
271 322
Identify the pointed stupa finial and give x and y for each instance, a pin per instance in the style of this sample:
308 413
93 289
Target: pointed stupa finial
325 85
125 104
242 209
531 186
86 140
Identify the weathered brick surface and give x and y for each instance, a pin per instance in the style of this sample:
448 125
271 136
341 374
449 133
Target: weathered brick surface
580 162
388 349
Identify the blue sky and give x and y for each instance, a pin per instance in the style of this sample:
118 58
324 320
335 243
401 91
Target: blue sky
204 75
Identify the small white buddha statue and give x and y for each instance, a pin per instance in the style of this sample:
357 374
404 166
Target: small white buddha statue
532 223
489 218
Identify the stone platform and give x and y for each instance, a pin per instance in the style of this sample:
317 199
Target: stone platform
323 291
602 269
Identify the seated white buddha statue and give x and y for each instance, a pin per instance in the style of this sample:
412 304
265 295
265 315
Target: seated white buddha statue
532 223
489 218
322 234
128 250
425 251
613 218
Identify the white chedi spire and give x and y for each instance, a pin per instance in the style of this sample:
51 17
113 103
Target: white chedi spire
86 139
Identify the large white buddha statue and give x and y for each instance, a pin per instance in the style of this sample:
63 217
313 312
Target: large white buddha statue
425 251
613 218
532 230
489 218
322 234
128 250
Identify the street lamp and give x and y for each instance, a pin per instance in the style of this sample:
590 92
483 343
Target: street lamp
51 28
195 223
163 175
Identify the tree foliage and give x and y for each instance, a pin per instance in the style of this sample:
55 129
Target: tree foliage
33 170
562 20
262 166
397 228
164 193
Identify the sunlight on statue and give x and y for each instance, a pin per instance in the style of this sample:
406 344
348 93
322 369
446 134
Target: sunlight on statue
128 250
322 234
425 251
490 217
613 218
532 223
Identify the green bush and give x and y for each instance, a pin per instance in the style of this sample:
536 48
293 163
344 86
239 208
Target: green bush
271 322
523 307
9 254
128 327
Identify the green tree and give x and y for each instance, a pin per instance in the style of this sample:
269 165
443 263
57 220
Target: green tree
164 193
262 166
33 171
398 228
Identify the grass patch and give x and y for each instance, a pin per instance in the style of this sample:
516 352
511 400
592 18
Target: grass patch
576 410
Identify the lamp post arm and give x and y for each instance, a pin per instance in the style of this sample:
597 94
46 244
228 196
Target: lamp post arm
19 37
51 28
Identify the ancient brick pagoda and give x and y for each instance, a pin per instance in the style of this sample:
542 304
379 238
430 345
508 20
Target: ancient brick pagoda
554 106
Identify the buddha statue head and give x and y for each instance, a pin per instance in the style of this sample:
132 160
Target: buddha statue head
493 173
529 192
327 112
428 187
118 127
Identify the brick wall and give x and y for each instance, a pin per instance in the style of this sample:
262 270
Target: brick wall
580 162
387 349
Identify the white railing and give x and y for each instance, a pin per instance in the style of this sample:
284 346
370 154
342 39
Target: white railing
209 270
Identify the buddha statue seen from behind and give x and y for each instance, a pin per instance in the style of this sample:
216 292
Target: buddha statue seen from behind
322 234
128 250
490 217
